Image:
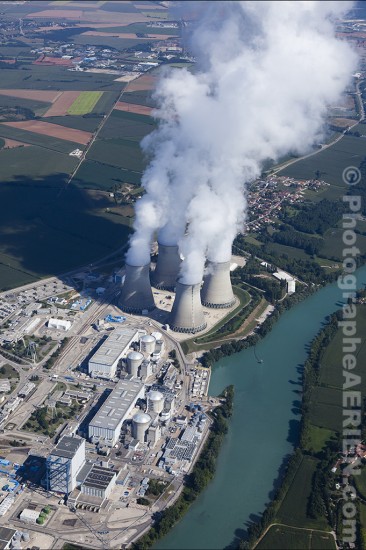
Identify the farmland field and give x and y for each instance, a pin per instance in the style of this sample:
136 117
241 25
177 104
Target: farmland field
34 162
32 138
84 103
293 511
96 175
50 130
117 152
46 232
318 438
360 481
282 537
86 123
331 162
122 124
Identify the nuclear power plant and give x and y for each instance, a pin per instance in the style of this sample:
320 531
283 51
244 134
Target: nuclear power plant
217 291
136 295
167 268
187 313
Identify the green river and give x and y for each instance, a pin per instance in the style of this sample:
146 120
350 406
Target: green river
263 429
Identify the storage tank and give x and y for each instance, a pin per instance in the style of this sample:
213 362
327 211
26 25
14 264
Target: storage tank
140 424
167 267
134 360
155 401
25 536
136 295
217 291
187 313
147 344
157 335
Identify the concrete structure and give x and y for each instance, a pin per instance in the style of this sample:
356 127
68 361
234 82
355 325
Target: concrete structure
106 425
134 360
136 295
99 482
59 324
155 401
29 516
187 313
153 435
167 268
140 424
4 386
217 291
104 362
147 344
64 464
145 369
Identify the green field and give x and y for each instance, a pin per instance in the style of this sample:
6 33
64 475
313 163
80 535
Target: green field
96 175
87 123
48 142
141 97
45 232
38 107
37 77
331 162
331 371
360 481
35 162
293 510
318 438
118 152
333 244
125 125
84 103
281 537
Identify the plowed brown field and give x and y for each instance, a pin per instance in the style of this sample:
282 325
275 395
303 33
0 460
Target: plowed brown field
133 108
145 82
62 104
41 95
52 130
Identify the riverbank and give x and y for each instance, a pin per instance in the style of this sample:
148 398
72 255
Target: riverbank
263 430
202 473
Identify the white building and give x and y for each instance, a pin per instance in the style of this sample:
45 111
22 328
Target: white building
59 324
104 362
291 286
64 464
106 425
29 516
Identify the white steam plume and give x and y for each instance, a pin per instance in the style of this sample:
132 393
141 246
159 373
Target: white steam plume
266 73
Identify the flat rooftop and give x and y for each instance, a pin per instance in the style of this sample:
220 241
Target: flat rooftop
67 446
6 535
117 404
99 477
112 348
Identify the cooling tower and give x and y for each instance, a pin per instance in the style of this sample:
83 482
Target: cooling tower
136 295
167 268
216 290
187 313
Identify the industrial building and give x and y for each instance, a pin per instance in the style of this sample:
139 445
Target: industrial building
217 291
106 425
99 482
134 360
59 324
155 400
136 295
104 362
187 313
29 516
6 537
64 464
